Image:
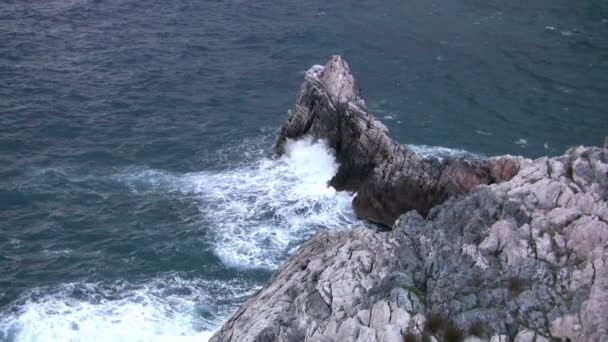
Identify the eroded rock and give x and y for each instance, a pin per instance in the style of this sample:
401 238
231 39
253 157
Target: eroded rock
525 259
389 178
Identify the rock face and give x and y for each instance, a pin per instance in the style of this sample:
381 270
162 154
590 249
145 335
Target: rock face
523 259
389 179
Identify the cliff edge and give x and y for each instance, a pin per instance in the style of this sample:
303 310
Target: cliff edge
389 178
503 249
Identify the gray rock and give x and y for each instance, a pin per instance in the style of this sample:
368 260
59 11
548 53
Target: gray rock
381 315
366 335
560 217
341 261
364 317
526 259
348 331
528 335
499 338
389 179
389 333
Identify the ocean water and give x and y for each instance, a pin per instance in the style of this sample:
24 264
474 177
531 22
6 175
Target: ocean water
140 198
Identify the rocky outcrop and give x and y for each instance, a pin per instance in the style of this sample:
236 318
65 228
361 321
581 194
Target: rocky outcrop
520 253
524 260
389 179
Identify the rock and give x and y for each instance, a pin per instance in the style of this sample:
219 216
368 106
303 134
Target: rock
348 331
390 333
524 269
473 339
503 168
282 309
364 317
389 179
500 338
582 172
366 335
524 259
400 318
560 217
530 336
381 315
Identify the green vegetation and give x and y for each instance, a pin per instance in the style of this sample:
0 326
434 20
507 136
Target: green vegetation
443 328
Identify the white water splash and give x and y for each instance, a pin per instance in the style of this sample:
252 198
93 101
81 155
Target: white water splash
165 309
521 142
438 152
256 213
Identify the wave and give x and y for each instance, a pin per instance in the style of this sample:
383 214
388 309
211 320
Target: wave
167 308
258 212
255 212
438 152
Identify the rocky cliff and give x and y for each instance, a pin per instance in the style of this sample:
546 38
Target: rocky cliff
500 249
389 179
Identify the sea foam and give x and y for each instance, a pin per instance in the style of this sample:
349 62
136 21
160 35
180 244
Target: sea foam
439 152
168 308
257 212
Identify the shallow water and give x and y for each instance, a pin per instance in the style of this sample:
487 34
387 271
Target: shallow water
140 198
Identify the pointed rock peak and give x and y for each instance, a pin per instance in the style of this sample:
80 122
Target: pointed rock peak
337 79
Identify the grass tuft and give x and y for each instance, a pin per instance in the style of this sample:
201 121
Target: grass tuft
451 333
410 337
440 326
476 329
516 285
434 322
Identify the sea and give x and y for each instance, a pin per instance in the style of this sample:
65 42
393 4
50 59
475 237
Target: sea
140 195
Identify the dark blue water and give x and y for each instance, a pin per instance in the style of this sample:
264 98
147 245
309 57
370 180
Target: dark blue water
139 195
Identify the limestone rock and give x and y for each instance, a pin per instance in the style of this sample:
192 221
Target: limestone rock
389 178
524 259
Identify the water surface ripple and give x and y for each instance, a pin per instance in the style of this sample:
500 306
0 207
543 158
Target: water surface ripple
140 199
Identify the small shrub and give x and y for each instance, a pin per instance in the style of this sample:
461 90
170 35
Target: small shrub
426 337
452 333
439 325
476 329
434 322
477 281
410 337
516 285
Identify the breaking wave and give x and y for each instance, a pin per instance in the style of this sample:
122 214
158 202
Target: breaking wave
256 213
168 308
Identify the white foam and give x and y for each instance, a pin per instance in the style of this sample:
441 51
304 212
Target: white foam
257 212
438 152
480 132
164 309
521 142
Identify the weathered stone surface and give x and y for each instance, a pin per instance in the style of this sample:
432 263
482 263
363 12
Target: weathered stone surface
525 269
522 260
330 284
389 179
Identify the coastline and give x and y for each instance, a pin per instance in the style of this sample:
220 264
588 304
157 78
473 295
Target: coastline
493 249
